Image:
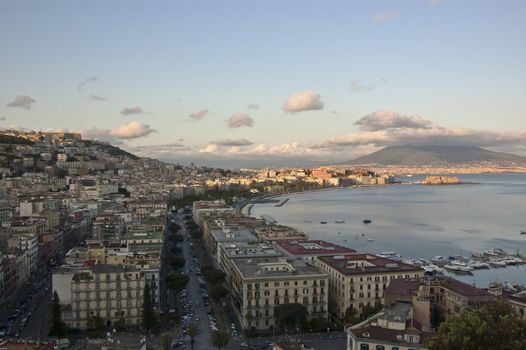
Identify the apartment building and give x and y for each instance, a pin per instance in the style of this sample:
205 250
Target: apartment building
259 285
311 249
112 292
394 328
108 227
450 296
357 280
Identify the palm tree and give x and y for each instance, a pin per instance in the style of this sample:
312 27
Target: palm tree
220 339
192 332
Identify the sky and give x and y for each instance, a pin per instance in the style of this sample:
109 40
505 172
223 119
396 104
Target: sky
255 83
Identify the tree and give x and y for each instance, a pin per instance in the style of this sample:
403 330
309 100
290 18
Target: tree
214 276
58 327
166 340
177 261
369 310
192 332
218 292
96 326
291 316
149 317
494 325
177 281
220 339
351 316
320 324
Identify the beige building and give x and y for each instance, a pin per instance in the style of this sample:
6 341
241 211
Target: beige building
111 292
259 285
391 329
357 280
450 296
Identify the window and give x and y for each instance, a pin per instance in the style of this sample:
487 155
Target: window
380 347
364 346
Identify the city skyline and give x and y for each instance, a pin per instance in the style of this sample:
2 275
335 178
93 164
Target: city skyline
299 83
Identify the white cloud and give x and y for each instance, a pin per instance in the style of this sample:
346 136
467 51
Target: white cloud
385 17
384 119
198 115
232 142
303 101
131 130
88 80
239 120
22 101
97 98
357 86
132 110
386 128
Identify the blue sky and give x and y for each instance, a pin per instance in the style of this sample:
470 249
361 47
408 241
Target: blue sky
77 65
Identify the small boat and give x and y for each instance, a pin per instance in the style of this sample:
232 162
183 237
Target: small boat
370 239
323 222
307 220
339 221
523 232
451 267
367 221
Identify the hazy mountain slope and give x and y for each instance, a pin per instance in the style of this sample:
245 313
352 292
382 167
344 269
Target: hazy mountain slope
436 155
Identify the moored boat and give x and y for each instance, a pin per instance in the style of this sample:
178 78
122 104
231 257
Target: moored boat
367 221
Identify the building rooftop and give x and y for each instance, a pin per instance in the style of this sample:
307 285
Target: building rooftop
463 288
313 248
274 267
356 264
248 249
402 286
233 235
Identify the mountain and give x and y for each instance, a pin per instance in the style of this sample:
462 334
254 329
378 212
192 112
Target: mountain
436 155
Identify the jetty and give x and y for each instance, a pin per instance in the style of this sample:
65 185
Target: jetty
281 203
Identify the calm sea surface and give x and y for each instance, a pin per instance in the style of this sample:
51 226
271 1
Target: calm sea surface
418 221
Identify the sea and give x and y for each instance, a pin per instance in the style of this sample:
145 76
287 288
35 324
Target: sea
418 221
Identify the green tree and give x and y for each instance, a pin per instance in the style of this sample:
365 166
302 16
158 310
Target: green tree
214 276
369 310
218 292
149 317
192 331
291 316
493 325
351 316
96 326
166 340
177 281
177 262
220 339
58 327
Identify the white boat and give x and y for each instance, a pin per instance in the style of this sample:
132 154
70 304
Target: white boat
465 268
498 263
451 267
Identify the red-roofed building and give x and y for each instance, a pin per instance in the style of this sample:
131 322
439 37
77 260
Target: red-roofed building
311 249
450 296
357 280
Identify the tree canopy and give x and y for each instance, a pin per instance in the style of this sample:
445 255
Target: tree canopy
220 339
218 292
58 327
492 326
149 317
291 316
214 276
177 281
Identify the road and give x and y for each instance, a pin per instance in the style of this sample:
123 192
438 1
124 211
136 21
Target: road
203 339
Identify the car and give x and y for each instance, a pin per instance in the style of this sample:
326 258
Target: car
243 345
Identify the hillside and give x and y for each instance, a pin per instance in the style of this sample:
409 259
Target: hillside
436 155
13 140
111 150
